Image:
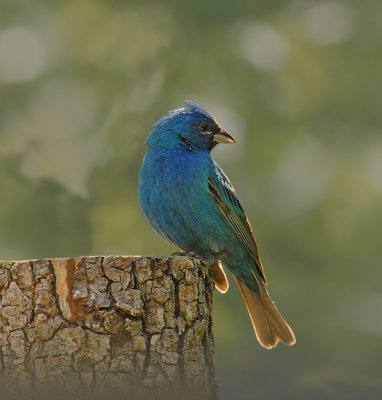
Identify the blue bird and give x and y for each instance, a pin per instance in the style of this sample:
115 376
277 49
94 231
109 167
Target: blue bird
189 201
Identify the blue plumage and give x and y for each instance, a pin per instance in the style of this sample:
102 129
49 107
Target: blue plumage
189 201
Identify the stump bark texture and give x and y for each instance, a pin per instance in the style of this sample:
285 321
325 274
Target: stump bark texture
99 322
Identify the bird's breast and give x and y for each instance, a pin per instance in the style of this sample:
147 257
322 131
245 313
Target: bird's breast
175 199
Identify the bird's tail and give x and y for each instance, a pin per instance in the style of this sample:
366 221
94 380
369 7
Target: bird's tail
270 327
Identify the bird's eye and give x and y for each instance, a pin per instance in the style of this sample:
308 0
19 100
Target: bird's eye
204 127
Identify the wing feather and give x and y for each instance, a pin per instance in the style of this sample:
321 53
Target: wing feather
225 196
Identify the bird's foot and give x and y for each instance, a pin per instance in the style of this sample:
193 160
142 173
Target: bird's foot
186 254
206 260
215 257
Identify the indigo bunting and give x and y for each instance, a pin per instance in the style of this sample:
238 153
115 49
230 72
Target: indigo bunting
188 200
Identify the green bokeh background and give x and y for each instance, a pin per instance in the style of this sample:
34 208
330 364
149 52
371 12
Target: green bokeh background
297 83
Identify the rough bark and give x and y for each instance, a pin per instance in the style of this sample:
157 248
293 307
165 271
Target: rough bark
132 324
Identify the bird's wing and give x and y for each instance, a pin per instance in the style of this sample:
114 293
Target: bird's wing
224 193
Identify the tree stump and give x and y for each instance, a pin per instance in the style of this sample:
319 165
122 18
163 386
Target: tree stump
127 325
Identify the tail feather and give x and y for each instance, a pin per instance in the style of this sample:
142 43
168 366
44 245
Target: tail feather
270 327
219 277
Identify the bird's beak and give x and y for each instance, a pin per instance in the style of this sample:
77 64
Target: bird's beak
223 137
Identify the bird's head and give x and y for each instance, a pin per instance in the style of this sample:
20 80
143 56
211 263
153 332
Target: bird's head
190 128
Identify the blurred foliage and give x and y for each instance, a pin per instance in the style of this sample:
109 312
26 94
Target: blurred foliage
296 82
